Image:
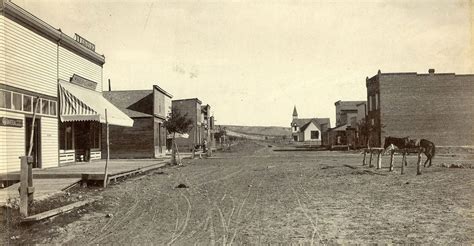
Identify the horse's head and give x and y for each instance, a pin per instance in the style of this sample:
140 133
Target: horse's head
388 141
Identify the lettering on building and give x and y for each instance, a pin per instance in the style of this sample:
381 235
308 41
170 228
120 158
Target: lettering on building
84 42
4 121
81 81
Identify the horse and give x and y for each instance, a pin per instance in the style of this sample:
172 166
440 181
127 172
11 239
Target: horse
424 146
401 143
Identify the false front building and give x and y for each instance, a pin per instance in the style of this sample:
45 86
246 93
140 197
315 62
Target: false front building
42 68
148 109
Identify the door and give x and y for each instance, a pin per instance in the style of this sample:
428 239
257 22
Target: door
36 150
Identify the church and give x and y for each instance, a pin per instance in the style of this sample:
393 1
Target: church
311 130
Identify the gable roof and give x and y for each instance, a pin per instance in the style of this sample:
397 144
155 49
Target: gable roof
134 103
317 121
303 128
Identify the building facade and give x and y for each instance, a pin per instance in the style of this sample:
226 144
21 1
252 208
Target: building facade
345 133
312 130
434 106
40 65
148 137
192 108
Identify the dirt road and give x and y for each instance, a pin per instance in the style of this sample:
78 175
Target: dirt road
255 195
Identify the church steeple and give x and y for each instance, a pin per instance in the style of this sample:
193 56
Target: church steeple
295 114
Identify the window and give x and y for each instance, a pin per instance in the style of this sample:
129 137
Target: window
370 103
37 105
314 134
376 101
95 135
5 99
295 128
44 106
52 107
16 102
27 103
65 136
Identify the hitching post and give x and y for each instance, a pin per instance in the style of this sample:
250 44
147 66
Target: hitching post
108 150
403 161
379 159
365 155
392 152
370 160
418 164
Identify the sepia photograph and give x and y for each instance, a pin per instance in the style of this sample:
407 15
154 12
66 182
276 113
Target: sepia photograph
236 122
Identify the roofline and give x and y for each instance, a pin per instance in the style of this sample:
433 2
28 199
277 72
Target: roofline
420 74
162 91
188 99
44 28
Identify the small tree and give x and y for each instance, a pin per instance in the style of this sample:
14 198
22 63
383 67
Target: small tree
177 123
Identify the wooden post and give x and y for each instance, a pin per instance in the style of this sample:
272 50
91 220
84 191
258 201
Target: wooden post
403 162
29 159
24 186
379 159
392 152
108 150
365 155
418 164
370 160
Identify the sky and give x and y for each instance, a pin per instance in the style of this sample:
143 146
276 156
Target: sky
253 61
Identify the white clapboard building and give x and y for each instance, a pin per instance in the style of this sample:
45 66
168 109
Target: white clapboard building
39 63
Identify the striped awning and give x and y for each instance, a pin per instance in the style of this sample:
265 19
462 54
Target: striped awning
81 104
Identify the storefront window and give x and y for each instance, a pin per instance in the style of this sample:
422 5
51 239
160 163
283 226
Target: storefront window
38 108
27 106
52 108
65 136
44 106
5 99
16 105
95 135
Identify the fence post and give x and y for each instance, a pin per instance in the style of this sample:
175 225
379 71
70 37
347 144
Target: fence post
379 159
363 160
403 162
24 186
418 164
392 152
370 160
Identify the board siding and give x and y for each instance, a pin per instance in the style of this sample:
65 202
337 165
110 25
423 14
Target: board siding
30 59
71 63
49 142
12 145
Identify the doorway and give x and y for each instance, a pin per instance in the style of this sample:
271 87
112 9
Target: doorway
36 150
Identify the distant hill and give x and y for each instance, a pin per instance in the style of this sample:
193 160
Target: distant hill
272 131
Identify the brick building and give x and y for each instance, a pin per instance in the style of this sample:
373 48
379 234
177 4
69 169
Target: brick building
147 137
434 106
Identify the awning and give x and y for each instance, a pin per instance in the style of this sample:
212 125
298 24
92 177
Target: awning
81 104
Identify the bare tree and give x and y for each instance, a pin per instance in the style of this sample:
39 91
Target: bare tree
177 123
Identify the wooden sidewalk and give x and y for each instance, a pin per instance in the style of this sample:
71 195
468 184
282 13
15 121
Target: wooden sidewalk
51 181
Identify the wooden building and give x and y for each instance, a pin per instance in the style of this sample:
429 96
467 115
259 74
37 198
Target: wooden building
192 108
65 75
345 134
311 130
434 106
148 109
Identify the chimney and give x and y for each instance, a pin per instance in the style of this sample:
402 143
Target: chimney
110 86
431 71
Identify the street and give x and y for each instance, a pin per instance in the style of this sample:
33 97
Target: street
253 195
